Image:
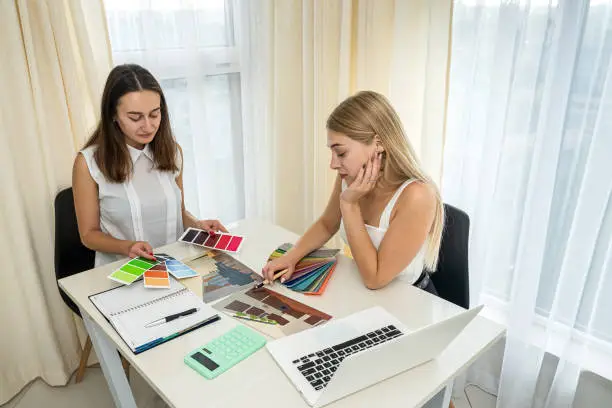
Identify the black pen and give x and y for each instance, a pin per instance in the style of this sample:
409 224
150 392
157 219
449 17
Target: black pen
171 317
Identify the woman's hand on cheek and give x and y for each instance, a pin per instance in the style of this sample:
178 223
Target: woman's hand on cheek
364 182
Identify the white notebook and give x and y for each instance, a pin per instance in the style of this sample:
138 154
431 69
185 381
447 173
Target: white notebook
130 308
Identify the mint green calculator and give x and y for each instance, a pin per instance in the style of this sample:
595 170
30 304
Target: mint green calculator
225 351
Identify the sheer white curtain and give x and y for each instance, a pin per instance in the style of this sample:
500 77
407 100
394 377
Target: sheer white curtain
527 155
299 59
189 47
56 56
250 84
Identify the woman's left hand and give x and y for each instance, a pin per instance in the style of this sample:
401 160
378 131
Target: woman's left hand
211 226
365 181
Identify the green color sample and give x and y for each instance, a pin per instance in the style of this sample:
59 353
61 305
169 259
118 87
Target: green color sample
123 276
132 269
140 264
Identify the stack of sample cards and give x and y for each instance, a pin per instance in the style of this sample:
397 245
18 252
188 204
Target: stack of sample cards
313 272
176 268
132 270
157 277
220 241
155 273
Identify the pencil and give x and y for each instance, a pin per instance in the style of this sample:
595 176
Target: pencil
276 276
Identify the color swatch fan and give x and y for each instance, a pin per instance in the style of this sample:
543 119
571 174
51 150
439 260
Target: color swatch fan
312 273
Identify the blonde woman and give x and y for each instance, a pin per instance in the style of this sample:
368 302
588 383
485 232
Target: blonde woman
386 208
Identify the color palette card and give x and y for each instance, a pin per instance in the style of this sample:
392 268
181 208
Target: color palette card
220 241
313 272
157 277
222 274
132 270
176 268
290 315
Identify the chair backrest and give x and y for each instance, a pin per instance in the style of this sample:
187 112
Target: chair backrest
451 278
71 256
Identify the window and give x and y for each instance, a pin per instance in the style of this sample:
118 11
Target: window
189 46
530 89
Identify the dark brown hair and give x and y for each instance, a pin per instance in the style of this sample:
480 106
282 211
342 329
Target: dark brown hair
112 155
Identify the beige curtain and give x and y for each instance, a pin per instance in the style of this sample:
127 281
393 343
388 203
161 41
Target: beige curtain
55 58
301 58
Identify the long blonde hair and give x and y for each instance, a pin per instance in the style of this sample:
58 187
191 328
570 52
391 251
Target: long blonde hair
368 114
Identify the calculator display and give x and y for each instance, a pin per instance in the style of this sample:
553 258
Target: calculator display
205 361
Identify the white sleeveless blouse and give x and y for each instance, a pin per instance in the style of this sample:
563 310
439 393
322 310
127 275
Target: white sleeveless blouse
412 272
146 207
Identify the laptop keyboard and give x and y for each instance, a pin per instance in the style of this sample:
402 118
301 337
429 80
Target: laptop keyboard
318 368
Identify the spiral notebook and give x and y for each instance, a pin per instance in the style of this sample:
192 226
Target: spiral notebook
129 309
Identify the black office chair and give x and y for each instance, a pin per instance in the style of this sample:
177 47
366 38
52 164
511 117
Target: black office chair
451 278
72 257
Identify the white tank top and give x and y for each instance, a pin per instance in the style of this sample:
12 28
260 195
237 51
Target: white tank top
412 272
146 207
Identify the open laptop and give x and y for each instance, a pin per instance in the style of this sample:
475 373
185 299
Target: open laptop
345 355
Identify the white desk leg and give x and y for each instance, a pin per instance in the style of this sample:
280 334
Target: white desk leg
442 398
448 392
111 365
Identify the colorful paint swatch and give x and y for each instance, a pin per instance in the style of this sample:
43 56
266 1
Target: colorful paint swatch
312 273
200 238
162 257
132 270
219 241
212 240
179 270
176 268
191 235
223 241
157 277
234 244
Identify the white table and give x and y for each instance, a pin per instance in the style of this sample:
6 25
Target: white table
257 381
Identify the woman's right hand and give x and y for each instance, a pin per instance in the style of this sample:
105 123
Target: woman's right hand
284 262
140 248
